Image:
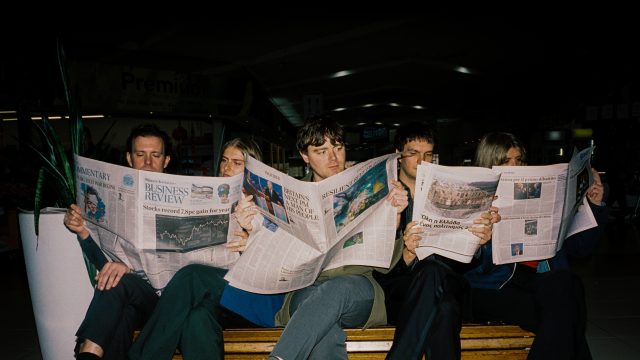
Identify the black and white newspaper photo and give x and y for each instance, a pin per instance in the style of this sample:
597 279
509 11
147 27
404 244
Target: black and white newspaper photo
446 202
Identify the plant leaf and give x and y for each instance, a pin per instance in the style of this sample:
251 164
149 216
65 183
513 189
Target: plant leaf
38 203
91 269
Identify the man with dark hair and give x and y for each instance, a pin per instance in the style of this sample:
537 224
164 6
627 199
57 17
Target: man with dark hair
123 299
423 298
148 131
346 296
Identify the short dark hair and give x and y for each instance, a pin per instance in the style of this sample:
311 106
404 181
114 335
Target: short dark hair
411 132
146 130
314 131
493 149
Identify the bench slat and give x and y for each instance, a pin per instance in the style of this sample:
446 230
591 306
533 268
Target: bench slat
478 342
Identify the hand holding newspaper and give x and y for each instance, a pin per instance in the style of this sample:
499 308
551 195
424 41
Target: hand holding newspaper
155 222
539 208
446 202
308 227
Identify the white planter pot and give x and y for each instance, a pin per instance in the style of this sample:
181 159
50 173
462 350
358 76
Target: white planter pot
58 282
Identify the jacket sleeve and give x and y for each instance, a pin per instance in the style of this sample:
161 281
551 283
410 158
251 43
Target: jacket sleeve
93 252
584 243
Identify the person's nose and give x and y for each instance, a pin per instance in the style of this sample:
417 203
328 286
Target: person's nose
332 155
147 159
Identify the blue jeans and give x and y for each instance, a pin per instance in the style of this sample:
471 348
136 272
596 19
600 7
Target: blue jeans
319 312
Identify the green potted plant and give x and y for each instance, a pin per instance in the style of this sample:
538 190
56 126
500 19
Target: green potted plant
56 267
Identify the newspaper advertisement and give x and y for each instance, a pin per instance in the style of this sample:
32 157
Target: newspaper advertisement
446 202
157 223
308 227
537 205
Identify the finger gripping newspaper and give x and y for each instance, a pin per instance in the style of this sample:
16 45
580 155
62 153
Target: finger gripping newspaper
157 223
307 227
447 200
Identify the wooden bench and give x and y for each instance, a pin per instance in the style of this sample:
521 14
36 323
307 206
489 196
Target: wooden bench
478 342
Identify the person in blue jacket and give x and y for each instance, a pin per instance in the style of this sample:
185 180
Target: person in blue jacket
544 297
189 314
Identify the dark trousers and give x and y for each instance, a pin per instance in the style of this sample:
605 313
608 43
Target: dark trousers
114 314
187 316
551 305
430 319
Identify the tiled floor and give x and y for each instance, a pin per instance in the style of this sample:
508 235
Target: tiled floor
612 283
611 277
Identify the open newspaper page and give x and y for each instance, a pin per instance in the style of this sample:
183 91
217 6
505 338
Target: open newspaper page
530 199
579 179
446 202
289 250
538 205
162 222
583 220
369 244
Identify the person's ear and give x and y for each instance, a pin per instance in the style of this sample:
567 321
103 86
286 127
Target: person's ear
129 161
305 156
166 161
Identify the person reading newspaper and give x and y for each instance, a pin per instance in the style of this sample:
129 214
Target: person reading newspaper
123 299
346 296
417 291
188 315
544 297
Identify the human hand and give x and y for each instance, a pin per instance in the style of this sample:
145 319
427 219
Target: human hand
245 211
110 274
595 192
495 215
398 196
74 222
483 226
411 238
239 245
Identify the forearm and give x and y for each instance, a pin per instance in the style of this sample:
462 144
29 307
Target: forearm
93 252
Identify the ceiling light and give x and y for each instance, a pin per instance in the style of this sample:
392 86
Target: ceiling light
339 109
361 123
396 124
341 74
378 123
368 105
418 107
394 104
462 69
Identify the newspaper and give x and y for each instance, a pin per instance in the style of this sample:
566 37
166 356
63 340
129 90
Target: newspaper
538 205
446 202
157 223
308 227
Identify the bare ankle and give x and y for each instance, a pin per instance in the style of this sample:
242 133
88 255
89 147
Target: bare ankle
91 347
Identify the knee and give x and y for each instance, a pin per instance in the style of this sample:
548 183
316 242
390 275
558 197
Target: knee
123 290
197 276
346 286
188 272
